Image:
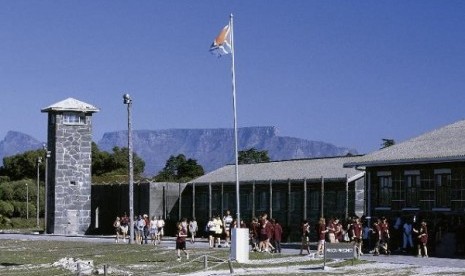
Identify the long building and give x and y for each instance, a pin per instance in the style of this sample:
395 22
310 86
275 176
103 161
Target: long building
289 191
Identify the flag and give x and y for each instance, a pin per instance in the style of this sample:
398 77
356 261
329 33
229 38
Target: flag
222 44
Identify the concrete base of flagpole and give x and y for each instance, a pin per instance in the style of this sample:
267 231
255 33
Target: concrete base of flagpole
240 245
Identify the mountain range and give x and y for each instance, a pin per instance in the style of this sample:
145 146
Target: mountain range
212 148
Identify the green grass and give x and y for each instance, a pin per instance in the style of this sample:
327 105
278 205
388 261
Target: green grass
26 257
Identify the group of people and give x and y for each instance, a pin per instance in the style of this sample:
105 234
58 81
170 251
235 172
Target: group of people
375 238
144 229
265 234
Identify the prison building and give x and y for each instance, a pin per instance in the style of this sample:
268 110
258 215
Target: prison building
421 177
289 191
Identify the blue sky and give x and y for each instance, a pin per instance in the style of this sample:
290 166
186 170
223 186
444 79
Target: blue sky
345 72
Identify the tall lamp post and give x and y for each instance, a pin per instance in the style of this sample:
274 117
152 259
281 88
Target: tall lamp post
27 202
128 101
39 161
47 156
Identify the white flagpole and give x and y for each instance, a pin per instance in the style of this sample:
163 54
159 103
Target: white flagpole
235 122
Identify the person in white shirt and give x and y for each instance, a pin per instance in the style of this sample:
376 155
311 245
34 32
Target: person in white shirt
193 229
227 222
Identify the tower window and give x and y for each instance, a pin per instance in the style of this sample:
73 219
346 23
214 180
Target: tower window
74 118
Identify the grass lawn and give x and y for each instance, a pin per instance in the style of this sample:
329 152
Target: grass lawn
30 257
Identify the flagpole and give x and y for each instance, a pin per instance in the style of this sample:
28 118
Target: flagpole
235 122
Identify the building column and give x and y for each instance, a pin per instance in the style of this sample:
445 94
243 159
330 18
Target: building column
253 199
209 200
271 199
222 200
305 199
322 196
180 201
347 198
288 223
193 200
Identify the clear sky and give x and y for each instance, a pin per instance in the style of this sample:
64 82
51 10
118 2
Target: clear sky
345 72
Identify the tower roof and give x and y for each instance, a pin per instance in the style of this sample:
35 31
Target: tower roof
71 104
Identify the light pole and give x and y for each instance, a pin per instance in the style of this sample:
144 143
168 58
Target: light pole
27 202
128 101
47 156
39 161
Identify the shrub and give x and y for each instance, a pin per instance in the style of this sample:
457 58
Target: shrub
6 209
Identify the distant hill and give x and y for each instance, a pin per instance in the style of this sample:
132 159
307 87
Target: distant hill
16 142
214 148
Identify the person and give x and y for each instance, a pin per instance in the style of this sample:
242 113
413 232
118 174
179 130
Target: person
385 236
153 230
161 228
117 226
139 226
305 232
181 235
321 236
227 222
356 236
218 228
146 228
266 230
366 245
277 235
332 230
407 236
211 232
377 236
422 239
124 226
254 234
184 224
193 228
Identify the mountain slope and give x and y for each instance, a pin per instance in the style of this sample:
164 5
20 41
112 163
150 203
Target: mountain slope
214 148
16 142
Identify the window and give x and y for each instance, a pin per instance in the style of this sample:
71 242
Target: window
385 190
278 201
443 187
412 183
74 118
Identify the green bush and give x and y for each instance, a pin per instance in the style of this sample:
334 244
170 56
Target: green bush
6 191
6 209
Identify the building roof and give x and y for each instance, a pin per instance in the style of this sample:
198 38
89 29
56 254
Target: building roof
310 169
71 104
446 144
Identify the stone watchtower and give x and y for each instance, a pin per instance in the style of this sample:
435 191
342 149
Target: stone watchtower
69 167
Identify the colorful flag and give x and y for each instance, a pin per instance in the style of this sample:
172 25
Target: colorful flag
222 44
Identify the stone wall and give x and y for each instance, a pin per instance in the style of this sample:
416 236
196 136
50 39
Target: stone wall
69 206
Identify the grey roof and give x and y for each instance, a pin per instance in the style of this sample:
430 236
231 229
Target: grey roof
71 104
446 144
310 169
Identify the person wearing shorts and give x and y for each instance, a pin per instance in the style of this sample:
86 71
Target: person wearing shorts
181 235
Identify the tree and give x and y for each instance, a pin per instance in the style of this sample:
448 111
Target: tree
180 169
22 165
387 143
252 156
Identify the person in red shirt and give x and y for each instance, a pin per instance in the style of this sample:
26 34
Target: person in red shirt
422 239
181 235
385 235
356 229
